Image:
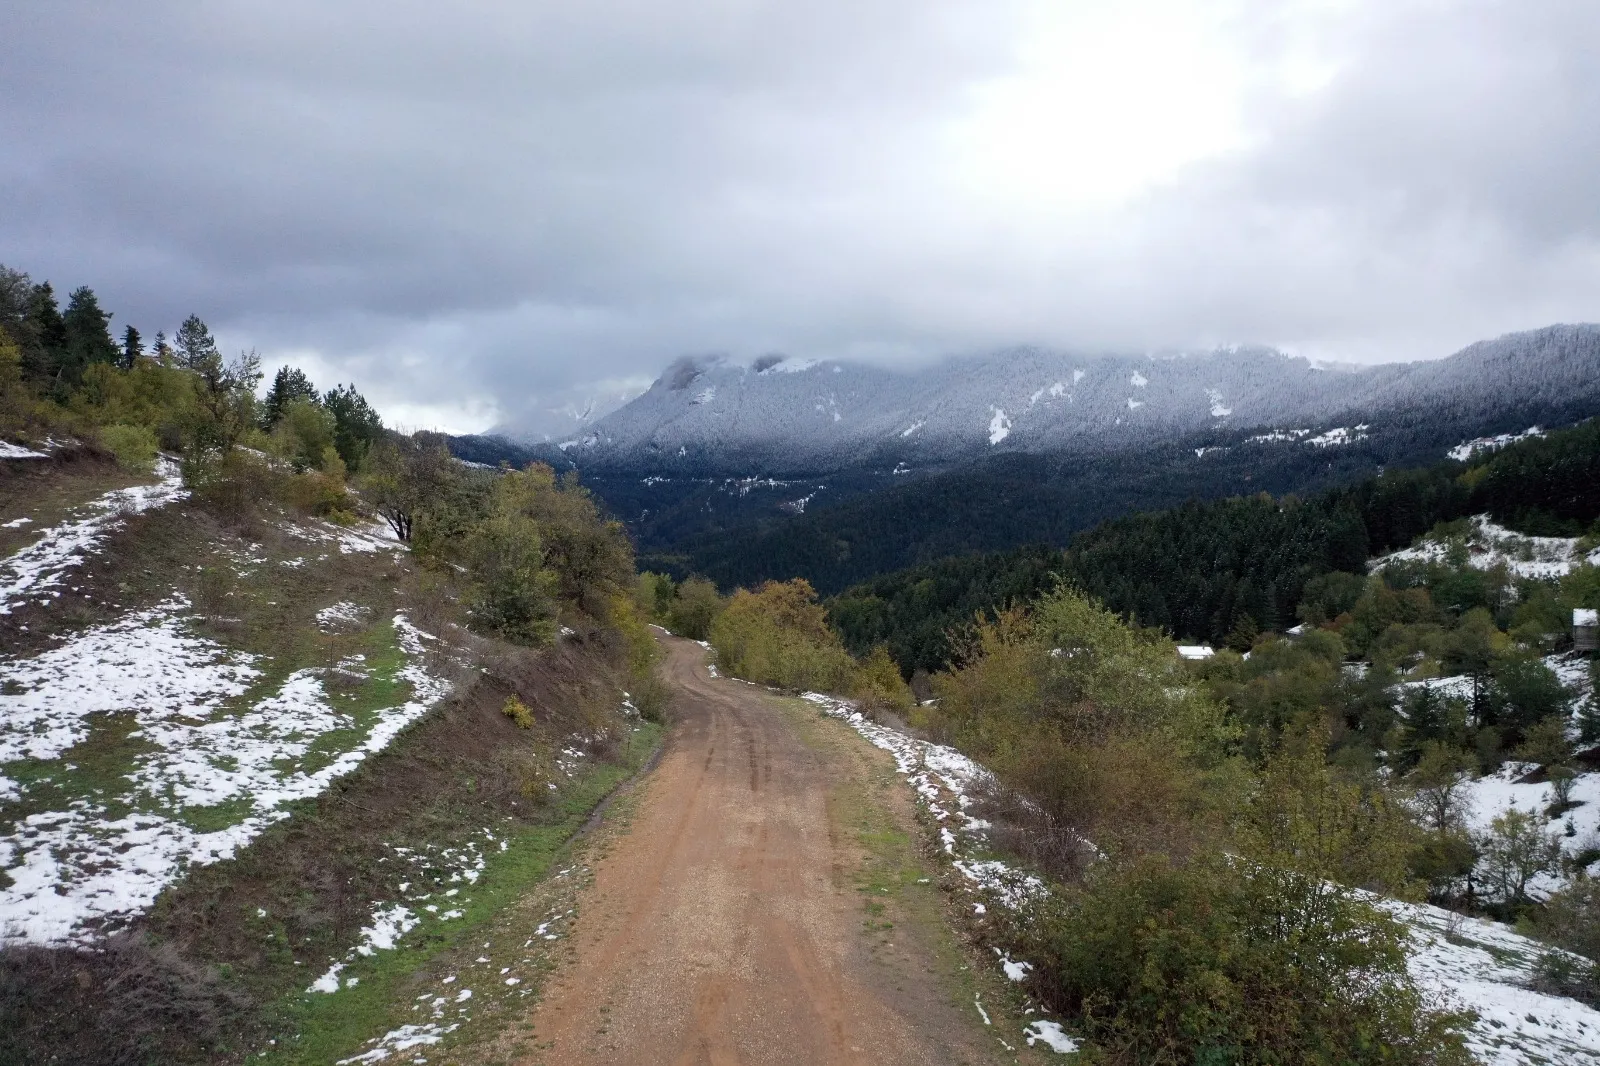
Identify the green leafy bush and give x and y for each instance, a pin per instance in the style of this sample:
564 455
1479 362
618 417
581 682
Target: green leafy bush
777 635
1224 961
518 712
134 446
694 608
513 593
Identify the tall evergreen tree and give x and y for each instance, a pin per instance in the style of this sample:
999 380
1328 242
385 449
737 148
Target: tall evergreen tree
16 289
196 348
161 351
132 348
288 385
88 333
45 348
357 425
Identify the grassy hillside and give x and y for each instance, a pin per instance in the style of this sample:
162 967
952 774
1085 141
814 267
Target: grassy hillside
291 706
235 742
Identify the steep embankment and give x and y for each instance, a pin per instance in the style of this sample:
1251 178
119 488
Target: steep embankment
253 774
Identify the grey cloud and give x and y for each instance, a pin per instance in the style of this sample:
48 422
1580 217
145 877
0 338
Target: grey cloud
503 206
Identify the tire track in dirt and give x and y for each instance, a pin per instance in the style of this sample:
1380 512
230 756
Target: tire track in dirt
719 929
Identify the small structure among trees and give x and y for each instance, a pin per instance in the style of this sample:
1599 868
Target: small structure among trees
1585 629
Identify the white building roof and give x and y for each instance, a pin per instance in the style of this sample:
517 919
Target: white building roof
1585 616
1196 651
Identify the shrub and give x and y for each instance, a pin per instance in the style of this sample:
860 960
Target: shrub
651 695
777 635
1516 849
518 712
513 594
135 447
1570 922
589 555
695 607
231 486
654 594
316 493
304 433
1222 961
879 684
1087 718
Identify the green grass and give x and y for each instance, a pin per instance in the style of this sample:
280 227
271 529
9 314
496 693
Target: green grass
95 770
316 1028
897 880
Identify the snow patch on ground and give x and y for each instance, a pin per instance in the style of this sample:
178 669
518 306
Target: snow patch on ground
1332 438
1050 1035
1482 966
341 616
42 564
1489 544
1340 435
401 1040
1279 436
74 872
1467 449
390 922
143 660
17 451
999 426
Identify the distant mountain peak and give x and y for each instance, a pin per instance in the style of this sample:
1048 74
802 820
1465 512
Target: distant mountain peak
781 414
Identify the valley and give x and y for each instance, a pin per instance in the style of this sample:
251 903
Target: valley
320 744
767 534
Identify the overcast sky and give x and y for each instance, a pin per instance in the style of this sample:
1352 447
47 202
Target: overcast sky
478 211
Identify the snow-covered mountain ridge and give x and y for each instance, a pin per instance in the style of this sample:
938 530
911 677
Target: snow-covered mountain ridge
779 414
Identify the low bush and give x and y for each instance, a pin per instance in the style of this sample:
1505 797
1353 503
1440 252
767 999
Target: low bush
694 608
518 712
1570 923
231 486
777 635
513 593
135 447
879 685
651 696
1219 961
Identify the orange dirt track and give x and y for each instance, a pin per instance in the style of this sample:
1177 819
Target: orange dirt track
723 928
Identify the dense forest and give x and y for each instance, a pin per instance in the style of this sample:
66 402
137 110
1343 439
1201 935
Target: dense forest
1203 570
858 524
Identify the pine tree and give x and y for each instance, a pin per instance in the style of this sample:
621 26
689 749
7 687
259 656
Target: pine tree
88 333
16 289
42 358
161 351
1243 636
288 385
197 349
132 348
357 425
1589 709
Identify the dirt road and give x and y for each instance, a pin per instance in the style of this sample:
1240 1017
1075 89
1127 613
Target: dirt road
727 925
